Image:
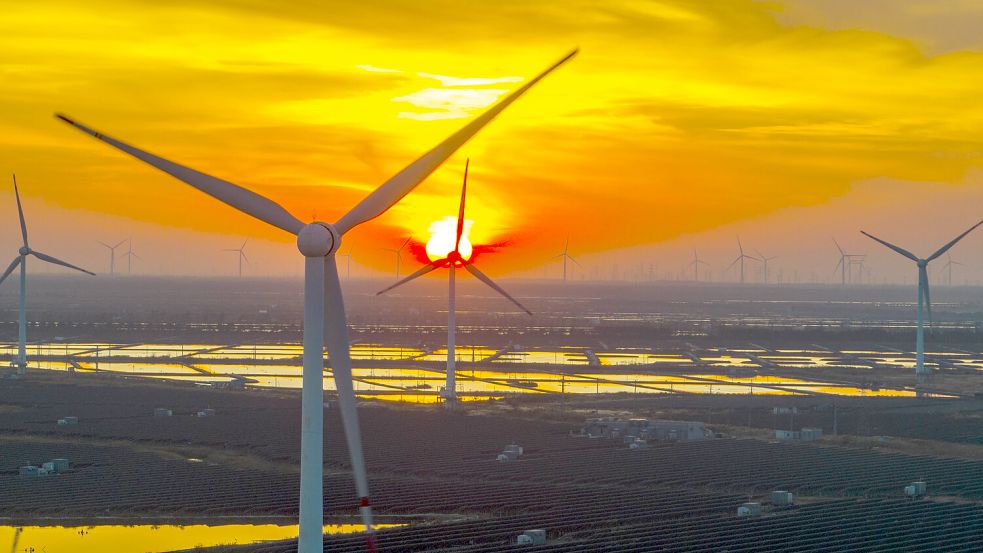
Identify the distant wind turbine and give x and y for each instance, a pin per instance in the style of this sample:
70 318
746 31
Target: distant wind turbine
348 262
242 254
565 256
399 255
740 258
129 255
949 262
924 299
324 309
845 263
112 255
764 262
695 264
21 259
451 260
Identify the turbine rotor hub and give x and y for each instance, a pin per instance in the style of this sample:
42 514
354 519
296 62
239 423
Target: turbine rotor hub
318 240
24 250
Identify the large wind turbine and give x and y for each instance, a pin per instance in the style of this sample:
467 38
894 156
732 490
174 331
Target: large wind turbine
242 254
398 252
454 259
565 256
740 258
129 255
112 255
924 299
324 310
21 259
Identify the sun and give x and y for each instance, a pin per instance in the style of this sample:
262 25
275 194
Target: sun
442 235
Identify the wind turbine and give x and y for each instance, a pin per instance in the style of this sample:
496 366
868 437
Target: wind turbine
948 268
846 262
924 299
112 255
399 255
129 255
21 259
695 264
740 258
764 261
565 256
242 254
348 262
455 258
324 310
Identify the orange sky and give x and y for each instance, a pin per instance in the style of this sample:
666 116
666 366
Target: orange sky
680 124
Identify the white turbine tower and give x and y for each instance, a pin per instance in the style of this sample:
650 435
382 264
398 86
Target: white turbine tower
324 309
398 252
565 256
21 259
129 255
457 257
740 258
112 255
242 254
924 299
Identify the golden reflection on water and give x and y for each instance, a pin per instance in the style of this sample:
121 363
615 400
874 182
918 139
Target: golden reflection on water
151 538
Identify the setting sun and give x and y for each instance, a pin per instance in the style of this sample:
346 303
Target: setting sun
442 235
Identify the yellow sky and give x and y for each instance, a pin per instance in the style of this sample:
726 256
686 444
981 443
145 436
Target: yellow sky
678 116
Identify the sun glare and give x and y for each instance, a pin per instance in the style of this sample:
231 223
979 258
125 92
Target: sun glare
442 234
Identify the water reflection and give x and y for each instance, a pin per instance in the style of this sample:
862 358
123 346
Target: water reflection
150 538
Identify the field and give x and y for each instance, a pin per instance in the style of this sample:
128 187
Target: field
437 471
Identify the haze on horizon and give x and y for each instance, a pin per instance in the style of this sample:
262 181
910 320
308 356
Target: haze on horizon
682 125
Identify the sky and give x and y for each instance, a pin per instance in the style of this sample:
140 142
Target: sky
681 125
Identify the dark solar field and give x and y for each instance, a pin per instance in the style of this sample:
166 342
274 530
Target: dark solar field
437 470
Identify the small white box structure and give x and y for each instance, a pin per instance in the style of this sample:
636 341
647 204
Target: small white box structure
61 465
513 449
749 510
916 489
638 443
163 412
48 467
511 453
809 434
531 537
783 498
68 420
206 413
786 435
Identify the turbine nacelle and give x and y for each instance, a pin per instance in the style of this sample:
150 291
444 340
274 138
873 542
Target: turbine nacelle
318 239
24 250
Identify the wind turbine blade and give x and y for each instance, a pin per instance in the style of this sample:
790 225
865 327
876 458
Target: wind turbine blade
840 262
405 242
120 243
20 213
945 248
339 357
244 200
902 251
10 268
575 262
243 254
484 278
104 244
460 212
423 270
405 181
244 242
56 261
734 262
842 253
566 245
